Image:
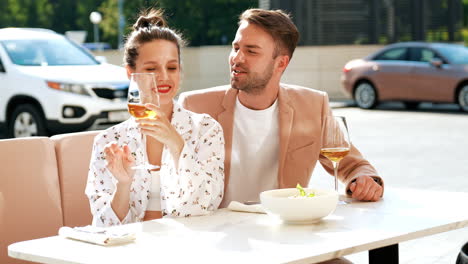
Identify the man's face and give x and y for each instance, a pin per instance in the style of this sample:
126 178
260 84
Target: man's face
251 59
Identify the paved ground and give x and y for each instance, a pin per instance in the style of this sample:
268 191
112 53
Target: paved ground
426 149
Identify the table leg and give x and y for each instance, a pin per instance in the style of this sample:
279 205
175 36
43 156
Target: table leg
384 255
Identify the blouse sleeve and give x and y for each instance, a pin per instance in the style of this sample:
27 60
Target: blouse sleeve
195 186
100 188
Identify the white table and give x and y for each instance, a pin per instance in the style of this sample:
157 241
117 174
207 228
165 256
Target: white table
232 237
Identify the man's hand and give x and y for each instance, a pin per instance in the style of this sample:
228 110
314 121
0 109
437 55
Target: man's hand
364 188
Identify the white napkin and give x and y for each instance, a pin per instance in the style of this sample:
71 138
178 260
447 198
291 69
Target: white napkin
97 235
251 208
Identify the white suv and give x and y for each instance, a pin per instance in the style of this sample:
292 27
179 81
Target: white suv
50 85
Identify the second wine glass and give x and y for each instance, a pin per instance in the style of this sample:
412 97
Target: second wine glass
142 90
335 143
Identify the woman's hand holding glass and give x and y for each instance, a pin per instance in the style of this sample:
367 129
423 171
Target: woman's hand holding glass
143 90
161 129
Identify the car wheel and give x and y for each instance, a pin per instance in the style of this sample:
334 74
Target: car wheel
26 121
411 105
463 98
365 95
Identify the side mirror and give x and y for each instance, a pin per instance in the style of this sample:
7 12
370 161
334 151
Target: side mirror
436 62
101 59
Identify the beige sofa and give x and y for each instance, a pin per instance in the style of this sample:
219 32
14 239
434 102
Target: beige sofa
42 183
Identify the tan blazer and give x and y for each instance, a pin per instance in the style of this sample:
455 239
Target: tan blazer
301 114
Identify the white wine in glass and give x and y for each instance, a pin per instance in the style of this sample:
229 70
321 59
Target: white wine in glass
335 143
142 90
139 111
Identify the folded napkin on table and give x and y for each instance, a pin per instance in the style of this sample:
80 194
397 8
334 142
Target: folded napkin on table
251 208
97 235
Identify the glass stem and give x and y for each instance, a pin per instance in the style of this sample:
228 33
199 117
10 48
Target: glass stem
335 169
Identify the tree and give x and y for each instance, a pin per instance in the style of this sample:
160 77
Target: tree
25 13
83 10
110 22
73 15
202 22
465 13
206 22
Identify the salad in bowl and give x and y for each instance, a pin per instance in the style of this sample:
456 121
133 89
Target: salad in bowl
299 205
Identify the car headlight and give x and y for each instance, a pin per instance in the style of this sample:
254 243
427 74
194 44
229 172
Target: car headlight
69 87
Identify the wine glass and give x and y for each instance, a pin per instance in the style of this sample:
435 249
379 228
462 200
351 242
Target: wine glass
335 143
142 90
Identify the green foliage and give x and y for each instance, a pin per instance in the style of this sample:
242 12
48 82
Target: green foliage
110 21
464 33
465 13
202 22
83 10
209 22
437 35
58 15
25 13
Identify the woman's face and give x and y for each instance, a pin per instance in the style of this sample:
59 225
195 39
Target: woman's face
161 58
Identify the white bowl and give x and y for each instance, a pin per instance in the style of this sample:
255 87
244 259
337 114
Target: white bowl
302 210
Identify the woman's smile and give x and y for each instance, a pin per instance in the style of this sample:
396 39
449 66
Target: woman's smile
165 88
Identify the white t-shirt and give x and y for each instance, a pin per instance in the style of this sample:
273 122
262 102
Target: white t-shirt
154 202
255 150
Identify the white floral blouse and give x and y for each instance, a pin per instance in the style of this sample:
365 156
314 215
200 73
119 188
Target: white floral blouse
194 187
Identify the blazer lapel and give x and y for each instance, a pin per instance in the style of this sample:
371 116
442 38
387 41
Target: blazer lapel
286 114
226 120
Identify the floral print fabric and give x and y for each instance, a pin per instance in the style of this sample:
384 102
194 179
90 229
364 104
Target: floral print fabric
192 185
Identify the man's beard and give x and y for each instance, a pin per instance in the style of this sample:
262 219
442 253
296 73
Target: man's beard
255 83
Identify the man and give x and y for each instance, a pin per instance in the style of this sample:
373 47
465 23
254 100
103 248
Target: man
272 130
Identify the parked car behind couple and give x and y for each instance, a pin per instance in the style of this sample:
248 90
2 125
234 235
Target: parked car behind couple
411 72
51 85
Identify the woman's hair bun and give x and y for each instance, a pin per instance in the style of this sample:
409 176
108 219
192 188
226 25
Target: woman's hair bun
150 18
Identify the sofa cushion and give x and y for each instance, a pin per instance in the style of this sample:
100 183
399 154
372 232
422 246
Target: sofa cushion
73 151
30 205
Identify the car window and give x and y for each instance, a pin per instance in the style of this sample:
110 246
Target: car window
393 54
46 52
455 54
423 55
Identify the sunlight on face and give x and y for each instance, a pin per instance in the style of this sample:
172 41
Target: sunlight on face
251 58
162 58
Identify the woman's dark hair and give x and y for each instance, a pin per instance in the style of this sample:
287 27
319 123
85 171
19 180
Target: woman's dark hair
148 27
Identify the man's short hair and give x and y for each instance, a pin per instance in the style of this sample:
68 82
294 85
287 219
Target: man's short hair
278 24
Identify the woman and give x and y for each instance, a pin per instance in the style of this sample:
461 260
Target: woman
189 147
